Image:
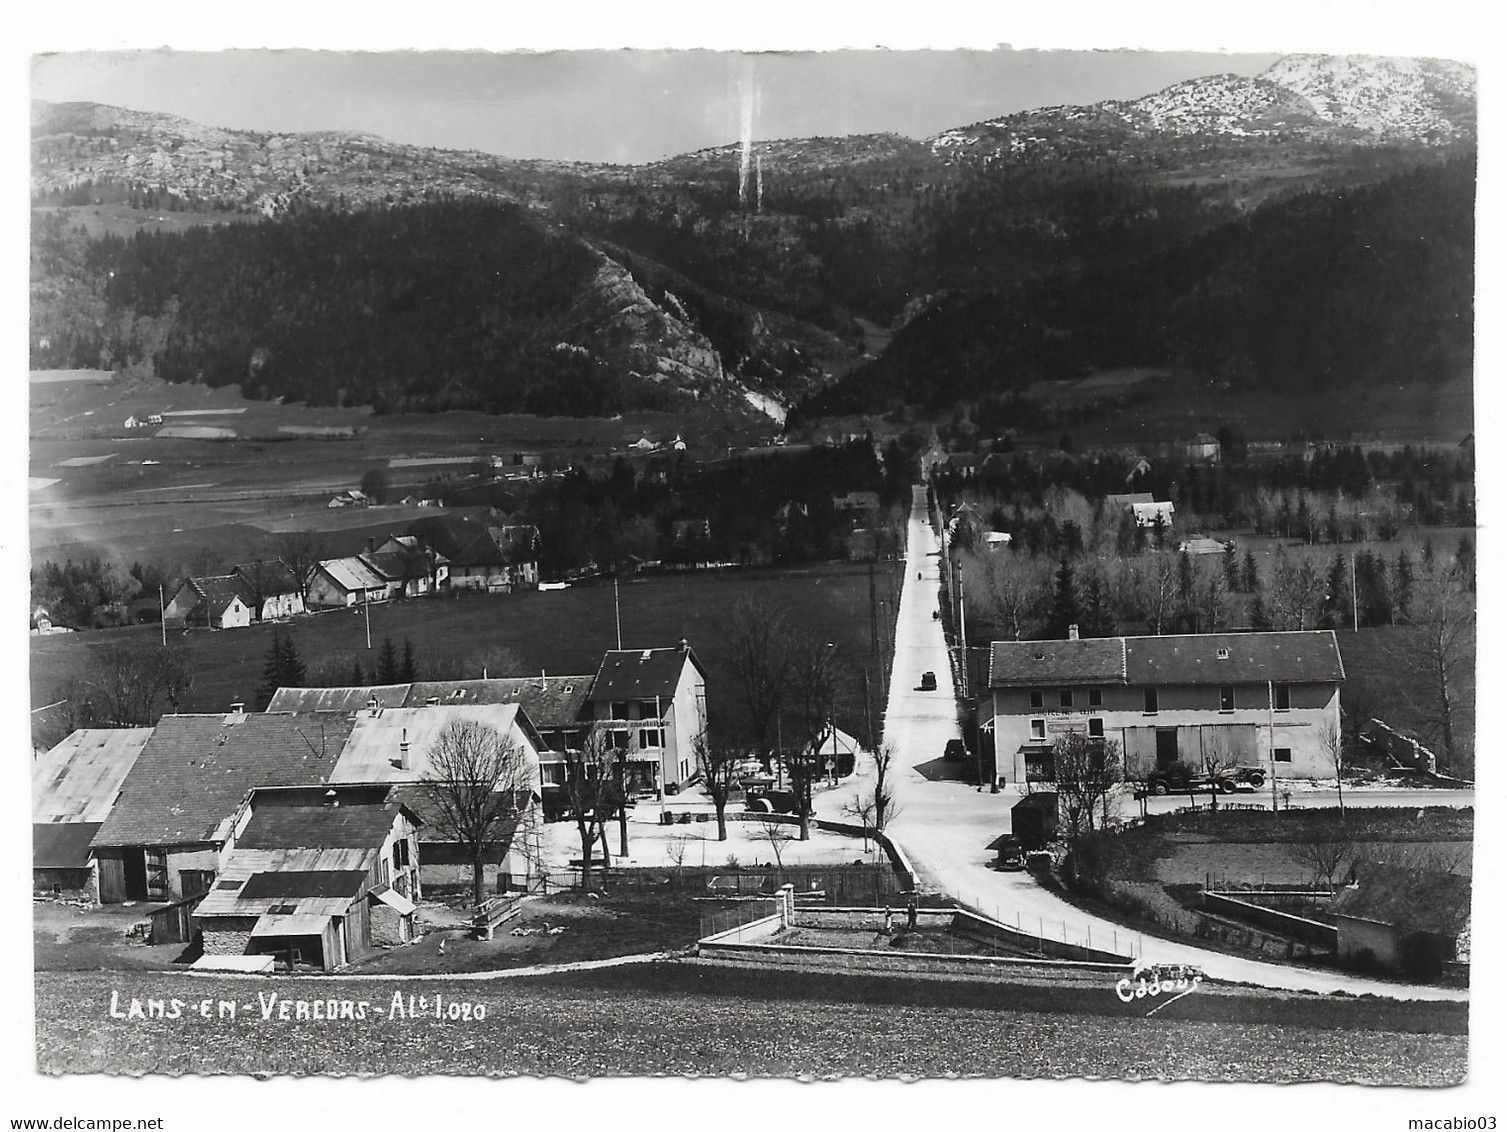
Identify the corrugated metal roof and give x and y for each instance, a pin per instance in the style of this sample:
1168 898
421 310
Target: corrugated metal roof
227 897
396 901
78 780
640 674
338 699
290 925
62 846
195 770
373 751
352 574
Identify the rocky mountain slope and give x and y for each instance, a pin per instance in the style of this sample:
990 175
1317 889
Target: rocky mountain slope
740 274
1309 99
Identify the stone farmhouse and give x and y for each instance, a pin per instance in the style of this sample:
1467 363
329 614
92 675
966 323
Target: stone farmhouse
1223 699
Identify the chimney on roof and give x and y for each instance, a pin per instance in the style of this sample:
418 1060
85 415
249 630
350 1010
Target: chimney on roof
238 708
371 704
371 543
685 645
432 701
1072 631
404 761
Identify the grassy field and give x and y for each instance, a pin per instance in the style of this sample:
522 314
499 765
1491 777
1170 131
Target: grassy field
688 1018
1178 408
144 497
560 631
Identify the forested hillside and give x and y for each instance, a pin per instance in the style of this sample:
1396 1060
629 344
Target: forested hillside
462 304
1354 287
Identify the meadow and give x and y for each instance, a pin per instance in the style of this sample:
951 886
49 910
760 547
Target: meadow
555 631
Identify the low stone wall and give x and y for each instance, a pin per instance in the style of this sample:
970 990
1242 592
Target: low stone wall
745 943
973 926
1269 919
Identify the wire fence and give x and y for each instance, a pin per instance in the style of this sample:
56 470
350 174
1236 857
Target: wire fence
864 886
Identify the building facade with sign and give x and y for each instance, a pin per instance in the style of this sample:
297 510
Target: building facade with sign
1202 701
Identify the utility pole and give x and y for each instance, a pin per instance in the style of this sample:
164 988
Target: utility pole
873 613
366 607
962 631
1271 739
162 613
617 607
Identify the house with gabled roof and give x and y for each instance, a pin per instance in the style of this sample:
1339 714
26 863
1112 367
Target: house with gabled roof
270 589
219 602
340 583
162 838
555 706
314 875
394 745
475 559
1222 699
73 788
652 703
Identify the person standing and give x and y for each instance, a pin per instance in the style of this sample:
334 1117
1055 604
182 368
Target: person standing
889 920
910 912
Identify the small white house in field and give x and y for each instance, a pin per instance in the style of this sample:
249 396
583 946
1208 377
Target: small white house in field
220 602
997 540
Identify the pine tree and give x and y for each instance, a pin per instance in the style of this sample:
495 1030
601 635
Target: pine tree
1097 621
1231 568
293 673
408 669
1402 587
387 663
1260 620
1065 611
1250 578
1336 600
271 671
358 678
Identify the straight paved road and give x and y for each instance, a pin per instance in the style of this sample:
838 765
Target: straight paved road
945 826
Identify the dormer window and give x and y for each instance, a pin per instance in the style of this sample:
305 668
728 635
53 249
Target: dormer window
1222 654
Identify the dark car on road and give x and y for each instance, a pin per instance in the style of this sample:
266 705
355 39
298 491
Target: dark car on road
928 681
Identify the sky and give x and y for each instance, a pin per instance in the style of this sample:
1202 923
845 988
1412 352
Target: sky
624 106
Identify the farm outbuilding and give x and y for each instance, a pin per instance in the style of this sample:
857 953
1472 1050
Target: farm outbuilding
316 875
176 809
1409 921
73 789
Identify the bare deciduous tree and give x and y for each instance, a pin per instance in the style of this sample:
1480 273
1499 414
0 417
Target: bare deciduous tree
301 552
592 794
1323 856
776 835
131 686
1332 743
1086 770
762 644
1297 593
719 772
1441 653
883 792
477 782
